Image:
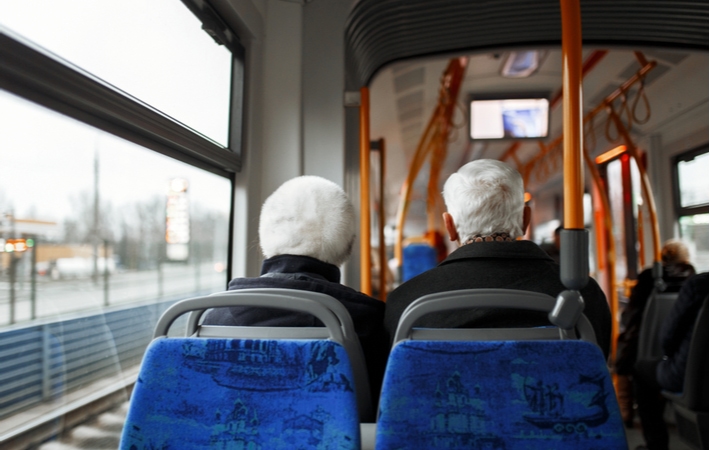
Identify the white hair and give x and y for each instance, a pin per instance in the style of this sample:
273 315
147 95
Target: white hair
308 216
485 197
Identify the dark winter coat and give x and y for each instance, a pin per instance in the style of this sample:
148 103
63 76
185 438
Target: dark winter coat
521 265
310 274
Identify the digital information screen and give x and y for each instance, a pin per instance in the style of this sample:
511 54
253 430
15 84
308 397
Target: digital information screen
509 118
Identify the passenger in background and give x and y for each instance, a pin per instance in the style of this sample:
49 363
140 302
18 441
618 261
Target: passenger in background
676 269
553 248
306 230
486 214
651 376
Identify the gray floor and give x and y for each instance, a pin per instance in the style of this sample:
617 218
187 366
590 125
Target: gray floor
634 436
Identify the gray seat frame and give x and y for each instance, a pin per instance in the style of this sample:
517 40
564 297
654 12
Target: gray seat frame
486 298
338 327
691 405
657 308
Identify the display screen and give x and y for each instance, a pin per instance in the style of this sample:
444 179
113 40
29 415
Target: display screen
509 118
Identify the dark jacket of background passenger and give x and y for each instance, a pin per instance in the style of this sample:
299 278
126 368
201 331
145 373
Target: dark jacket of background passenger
310 274
677 331
518 265
627 343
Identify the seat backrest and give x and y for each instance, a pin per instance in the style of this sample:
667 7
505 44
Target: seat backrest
535 388
340 327
657 308
695 384
253 391
195 393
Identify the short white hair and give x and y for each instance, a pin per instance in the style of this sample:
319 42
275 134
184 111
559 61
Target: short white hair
485 196
308 216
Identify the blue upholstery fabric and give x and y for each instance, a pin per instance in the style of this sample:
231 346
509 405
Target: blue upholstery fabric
243 394
417 258
498 395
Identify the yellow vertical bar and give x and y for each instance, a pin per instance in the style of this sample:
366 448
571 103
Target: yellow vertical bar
365 256
572 113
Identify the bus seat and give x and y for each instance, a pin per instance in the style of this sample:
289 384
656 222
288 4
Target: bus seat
535 388
417 258
250 391
282 298
691 405
657 308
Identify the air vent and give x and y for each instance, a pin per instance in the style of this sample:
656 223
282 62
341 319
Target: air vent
409 80
671 57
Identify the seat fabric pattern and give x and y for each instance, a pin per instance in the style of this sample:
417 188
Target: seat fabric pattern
243 394
498 395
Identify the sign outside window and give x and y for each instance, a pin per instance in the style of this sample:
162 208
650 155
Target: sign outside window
177 221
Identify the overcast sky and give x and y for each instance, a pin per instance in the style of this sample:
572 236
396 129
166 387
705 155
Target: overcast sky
165 60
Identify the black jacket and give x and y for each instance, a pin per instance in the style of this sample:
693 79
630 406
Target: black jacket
310 274
674 275
518 265
677 331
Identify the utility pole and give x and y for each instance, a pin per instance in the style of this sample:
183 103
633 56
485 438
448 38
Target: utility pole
95 230
106 273
33 277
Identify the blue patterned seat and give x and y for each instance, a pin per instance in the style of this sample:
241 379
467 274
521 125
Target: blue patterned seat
450 391
242 393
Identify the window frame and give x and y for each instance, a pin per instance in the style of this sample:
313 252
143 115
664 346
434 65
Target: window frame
682 211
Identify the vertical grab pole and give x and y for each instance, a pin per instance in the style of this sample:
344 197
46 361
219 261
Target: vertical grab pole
572 114
365 253
574 258
381 216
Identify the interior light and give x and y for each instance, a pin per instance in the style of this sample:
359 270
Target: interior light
611 154
521 64
527 197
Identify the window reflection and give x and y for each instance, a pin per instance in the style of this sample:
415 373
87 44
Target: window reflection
93 209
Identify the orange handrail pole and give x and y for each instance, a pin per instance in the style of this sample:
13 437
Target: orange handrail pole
406 192
572 113
381 216
435 135
365 256
645 186
610 246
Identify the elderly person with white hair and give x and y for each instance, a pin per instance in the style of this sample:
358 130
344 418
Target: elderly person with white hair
486 215
306 230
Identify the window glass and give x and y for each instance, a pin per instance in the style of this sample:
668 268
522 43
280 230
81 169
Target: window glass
616 203
694 232
154 50
693 181
94 207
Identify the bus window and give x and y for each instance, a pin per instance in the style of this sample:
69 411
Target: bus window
691 195
623 184
109 222
166 60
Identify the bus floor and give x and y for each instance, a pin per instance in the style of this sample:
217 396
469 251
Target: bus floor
104 431
634 436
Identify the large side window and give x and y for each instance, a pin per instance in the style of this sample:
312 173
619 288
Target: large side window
690 174
120 130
